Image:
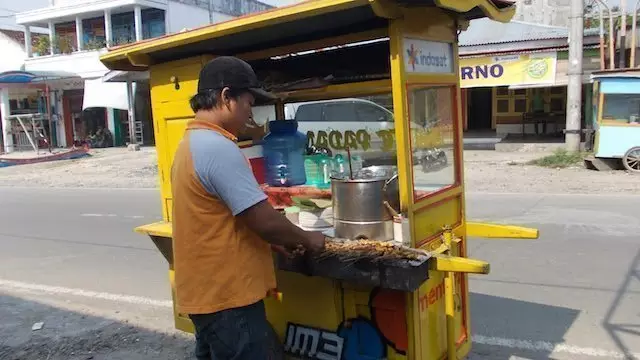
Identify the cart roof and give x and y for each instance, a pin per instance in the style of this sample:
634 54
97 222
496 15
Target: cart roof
615 74
306 21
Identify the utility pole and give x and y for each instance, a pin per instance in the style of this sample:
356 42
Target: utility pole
574 88
623 35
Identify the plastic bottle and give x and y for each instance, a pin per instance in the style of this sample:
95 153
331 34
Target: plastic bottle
312 170
340 168
356 163
325 169
318 169
284 148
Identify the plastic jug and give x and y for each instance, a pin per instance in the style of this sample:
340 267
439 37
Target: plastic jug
284 148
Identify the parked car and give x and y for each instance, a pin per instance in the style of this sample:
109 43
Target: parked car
364 126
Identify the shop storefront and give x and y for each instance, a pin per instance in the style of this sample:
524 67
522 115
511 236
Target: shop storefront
514 80
36 98
519 94
486 81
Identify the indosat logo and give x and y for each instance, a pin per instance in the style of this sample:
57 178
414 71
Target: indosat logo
417 57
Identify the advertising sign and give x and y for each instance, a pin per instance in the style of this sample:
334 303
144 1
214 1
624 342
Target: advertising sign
523 69
427 57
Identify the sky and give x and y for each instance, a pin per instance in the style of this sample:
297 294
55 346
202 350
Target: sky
8 9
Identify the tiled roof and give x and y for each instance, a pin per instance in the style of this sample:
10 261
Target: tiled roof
486 31
18 36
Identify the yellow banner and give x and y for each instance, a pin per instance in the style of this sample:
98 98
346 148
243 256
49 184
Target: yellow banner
508 70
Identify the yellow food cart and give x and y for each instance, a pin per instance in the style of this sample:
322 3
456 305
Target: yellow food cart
404 51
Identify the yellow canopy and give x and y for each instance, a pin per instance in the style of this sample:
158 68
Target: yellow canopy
303 22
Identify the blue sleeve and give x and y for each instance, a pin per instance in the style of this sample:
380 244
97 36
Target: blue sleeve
224 171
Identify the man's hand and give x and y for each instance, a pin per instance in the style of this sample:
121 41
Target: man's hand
315 241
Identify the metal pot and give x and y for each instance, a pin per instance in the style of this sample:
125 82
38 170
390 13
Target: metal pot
359 210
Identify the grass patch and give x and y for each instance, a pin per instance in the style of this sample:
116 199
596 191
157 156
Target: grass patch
561 158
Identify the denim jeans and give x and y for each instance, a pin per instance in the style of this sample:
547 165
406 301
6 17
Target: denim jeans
235 334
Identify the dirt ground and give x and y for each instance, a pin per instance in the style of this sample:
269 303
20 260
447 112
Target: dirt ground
74 329
485 171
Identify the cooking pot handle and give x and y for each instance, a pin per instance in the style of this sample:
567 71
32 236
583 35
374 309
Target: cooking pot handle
393 178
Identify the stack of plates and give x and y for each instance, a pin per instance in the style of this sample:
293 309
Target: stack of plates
320 220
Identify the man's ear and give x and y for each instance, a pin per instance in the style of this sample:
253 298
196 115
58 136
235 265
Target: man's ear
224 97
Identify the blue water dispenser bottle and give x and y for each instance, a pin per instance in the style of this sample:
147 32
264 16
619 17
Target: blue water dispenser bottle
284 149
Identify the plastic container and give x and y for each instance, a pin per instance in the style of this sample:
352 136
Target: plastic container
284 148
318 169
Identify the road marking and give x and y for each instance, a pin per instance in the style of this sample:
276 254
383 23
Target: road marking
58 290
550 194
549 347
530 345
112 216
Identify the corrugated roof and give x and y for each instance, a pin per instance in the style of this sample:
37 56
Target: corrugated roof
486 31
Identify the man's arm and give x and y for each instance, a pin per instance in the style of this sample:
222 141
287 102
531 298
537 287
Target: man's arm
276 229
224 172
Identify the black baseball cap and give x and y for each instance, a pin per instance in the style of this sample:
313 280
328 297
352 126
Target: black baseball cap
232 72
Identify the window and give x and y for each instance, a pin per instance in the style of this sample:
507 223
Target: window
153 24
65 41
354 123
123 28
510 102
624 108
520 105
503 106
557 104
343 111
557 96
431 110
310 112
370 112
93 33
502 90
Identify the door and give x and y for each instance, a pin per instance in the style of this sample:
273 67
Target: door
480 101
436 203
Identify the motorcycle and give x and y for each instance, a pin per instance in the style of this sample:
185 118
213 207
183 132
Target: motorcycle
433 159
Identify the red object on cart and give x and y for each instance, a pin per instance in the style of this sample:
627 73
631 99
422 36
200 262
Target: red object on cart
253 153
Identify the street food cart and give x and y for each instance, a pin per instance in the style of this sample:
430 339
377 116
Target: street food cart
404 52
616 114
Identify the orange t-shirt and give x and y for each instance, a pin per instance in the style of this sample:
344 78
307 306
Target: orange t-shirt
219 262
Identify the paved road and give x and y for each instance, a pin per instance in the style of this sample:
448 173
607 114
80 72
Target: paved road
572 294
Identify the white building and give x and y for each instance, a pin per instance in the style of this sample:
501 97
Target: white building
80 30
13 49
543 12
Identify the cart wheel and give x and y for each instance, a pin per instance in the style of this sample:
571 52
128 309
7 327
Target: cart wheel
631 160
